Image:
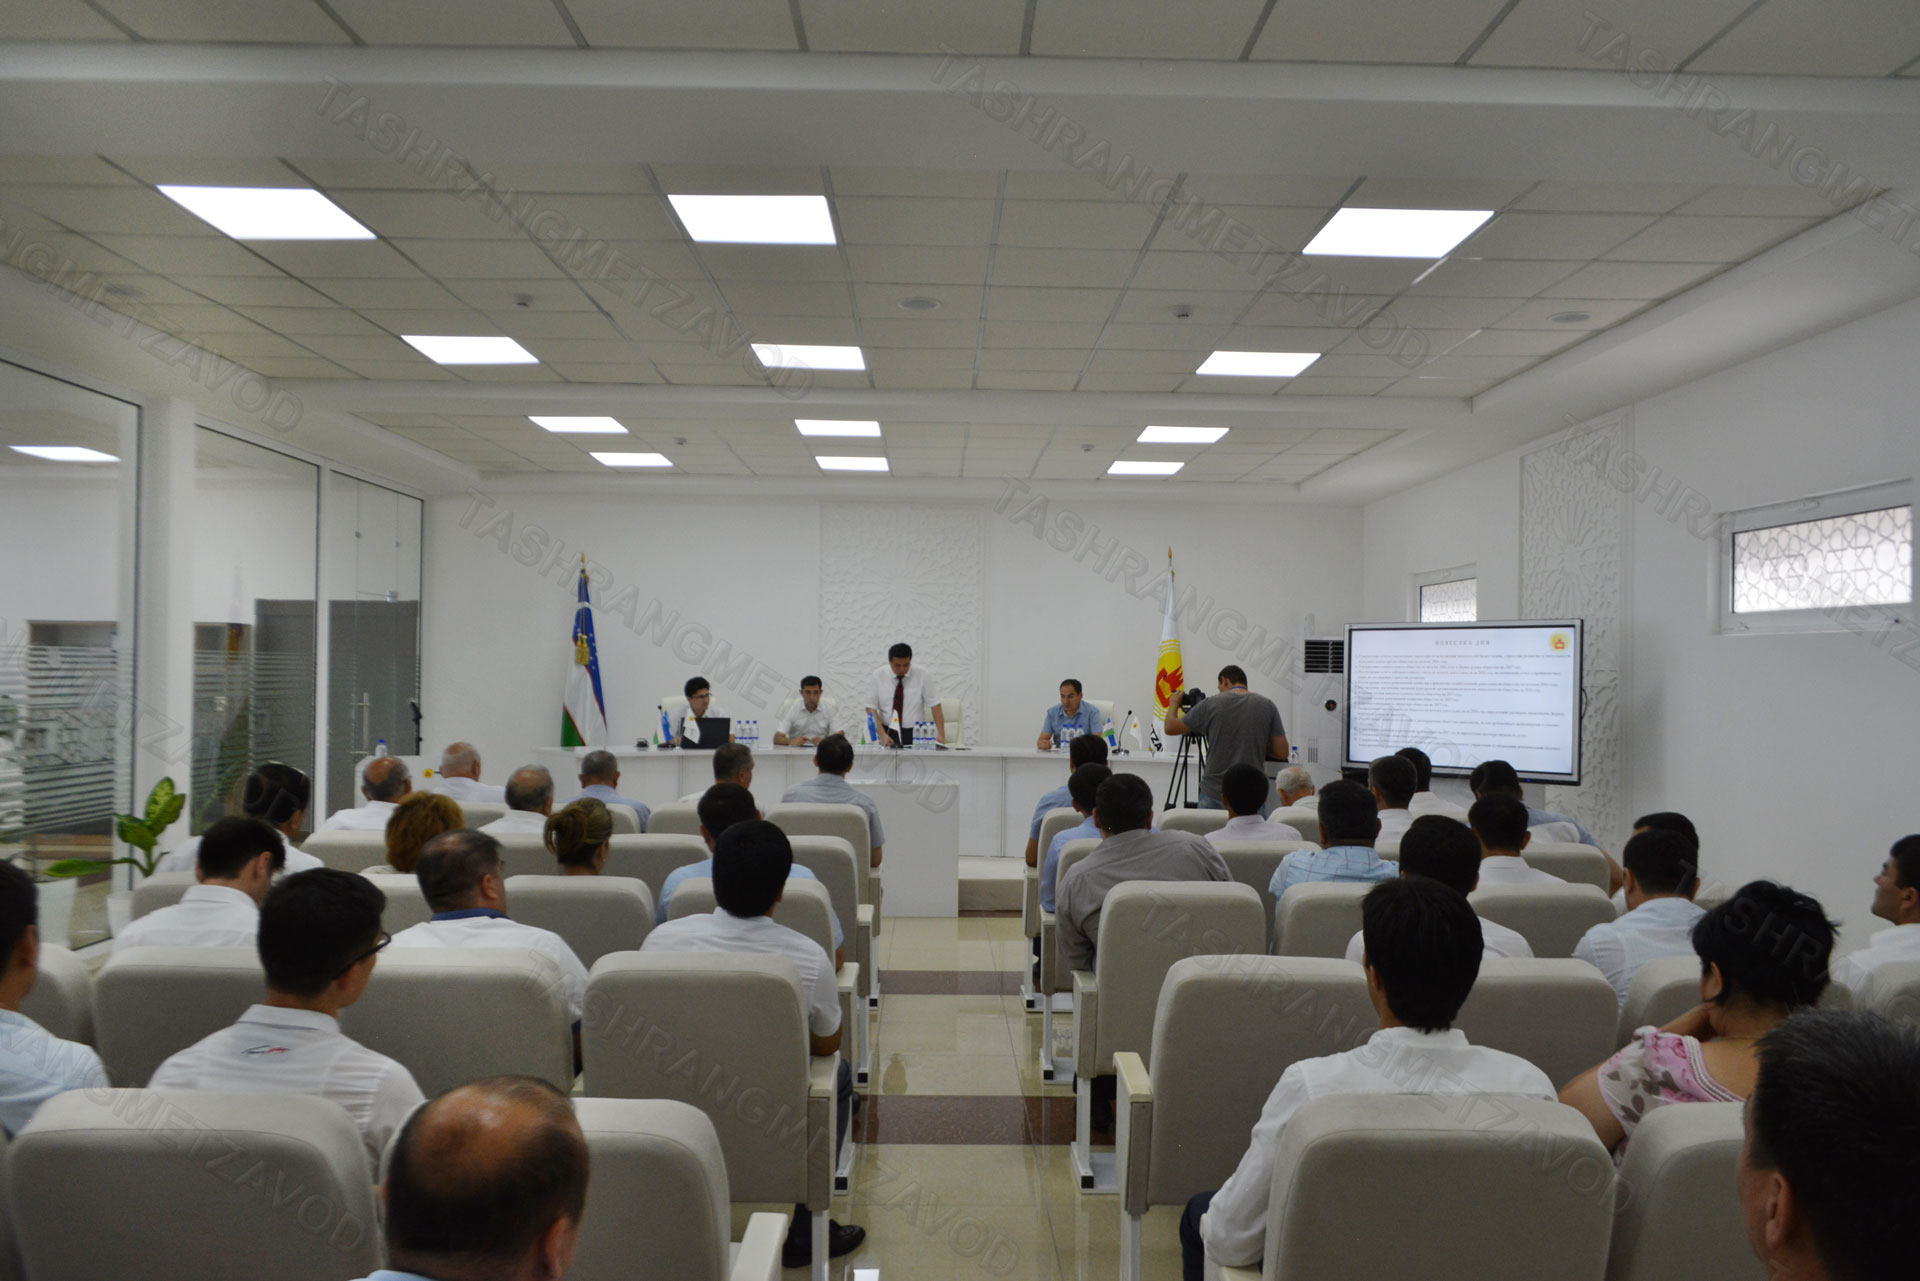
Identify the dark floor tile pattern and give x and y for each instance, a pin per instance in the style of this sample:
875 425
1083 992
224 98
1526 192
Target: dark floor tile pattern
950 983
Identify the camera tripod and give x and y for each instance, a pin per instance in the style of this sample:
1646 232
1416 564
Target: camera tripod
1192 747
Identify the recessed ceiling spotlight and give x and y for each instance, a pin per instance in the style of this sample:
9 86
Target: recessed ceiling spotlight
1257 364
1569 317
578 425
65 453
756 220
1396 233
1181 435
919 304
268 213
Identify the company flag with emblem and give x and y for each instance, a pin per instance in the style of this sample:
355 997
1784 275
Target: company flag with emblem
583 717
1169 679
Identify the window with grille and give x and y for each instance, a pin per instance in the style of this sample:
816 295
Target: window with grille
1456 600
1810 564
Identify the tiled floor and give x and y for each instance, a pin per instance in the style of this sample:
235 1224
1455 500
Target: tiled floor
968 1174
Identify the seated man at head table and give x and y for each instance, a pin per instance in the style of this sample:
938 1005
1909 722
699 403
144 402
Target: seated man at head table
903 690
1349 823
1392 781
35 1065
385 782
1896 900
276 794
1663 875
1072 714
1446 850
459 777
808 721
732 763
700 706
833 758
600 779
1244 789
529 803
1090 750
724 805
238 860
1421 957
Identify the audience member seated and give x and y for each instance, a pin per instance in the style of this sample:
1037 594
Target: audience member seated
1293 787
459 777
529 802
238 860
1445 850
35 1065
1828 1176
1662 877
1422 955
1500 821
486 1183
751 862
275 794
1391 780
1129 850
578 837
1763 956
415 821
732 763
1244 790
833 758
1497 778
1088 749
1424 799
383 782
464 881
1349 824
1666 821
1082 788
1896 899
600 779
806 722
724 805
319 939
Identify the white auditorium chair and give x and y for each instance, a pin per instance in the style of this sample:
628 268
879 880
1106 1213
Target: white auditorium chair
1662 990
1892 991
1557 1014
658 1203
594 914
162 889
348 851
149 1003
675 708
1577 864
1306 822
62 997
1055 978
1552 918
11 1269
480 813
832 862
1253 863
626 819
1223 1032
1682 1221
454 1015
849 823
187 1186
1104 706
1054 822
953 711
710 1029
1197 821
527 852
677 818
1388 847
652 857
406 905
1146 927
1381 1186
1318 918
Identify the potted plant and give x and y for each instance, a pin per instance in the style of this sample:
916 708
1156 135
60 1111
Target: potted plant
140 832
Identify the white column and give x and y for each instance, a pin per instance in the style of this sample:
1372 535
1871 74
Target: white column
161 713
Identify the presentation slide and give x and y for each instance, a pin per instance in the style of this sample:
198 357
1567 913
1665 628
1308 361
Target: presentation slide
1466 693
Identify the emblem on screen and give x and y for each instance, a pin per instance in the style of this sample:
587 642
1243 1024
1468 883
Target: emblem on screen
1560 641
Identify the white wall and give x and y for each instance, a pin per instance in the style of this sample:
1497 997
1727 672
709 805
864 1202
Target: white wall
253 539
742 576
1792 753
64 536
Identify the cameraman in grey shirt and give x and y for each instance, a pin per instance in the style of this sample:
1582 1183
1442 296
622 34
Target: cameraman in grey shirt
1240 729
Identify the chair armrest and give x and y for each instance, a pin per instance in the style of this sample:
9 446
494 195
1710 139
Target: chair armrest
1222 1272
877 888
848 977
757 1257
1133 1130
1086 1022
1050 954
822 1084
862 940
1030 902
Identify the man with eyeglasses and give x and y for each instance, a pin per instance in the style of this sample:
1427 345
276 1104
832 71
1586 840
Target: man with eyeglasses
319 937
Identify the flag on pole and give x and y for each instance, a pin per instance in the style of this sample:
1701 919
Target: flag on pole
1169 680
583 717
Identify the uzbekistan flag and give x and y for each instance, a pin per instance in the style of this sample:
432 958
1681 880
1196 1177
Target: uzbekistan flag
583 718
1169 680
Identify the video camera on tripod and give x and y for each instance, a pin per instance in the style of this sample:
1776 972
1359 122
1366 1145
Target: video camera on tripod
1191 746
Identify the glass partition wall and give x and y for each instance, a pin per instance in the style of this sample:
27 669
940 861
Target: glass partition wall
373 645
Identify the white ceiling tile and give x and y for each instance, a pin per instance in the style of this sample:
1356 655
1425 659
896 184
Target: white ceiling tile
898 359
1007 303
1631 280
1069 184
363 294
957 302
356 348
1328 273
1685 239
338 258
920 333
998 333
1481 278
61 171
886 26
1057 361
1436 193
1215 385
1552 235
806 298
1207 307
1024 380
211 320
1311 385
553 177
833 331
1818 38
435 320
1236 231
740 180
189 255
1498 367
301 321
913 220
1609 197
977 183
255 291
456 22
1063 268
553 324
1784 201
308 367
1074 224
1172 336
439 215
1549 33
1143 29
224 21
129 210
1341 365
481 259
1440 388
521 297
663 24
206 171
1145 362
918 265
1202 273
1317 309
506 374
589 372
1517 342
773 262
1445 313
1435 31
1265 189
68 252
596 217
55 20
1602 313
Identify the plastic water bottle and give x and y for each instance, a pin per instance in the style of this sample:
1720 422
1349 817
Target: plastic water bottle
1293 753
380 748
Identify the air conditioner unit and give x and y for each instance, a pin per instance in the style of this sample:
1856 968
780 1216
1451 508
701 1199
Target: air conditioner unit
1319 706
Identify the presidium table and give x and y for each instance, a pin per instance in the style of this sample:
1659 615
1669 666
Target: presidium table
934 805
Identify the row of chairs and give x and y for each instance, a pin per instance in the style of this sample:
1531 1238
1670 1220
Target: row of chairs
626 819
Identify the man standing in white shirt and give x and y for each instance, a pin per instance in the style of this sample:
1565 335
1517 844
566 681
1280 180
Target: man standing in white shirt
751 862
238 859
833 758
1423 950
276 794
1500 821
459 777
1445 850
907 692
1663 874
807 721
1392 779
35 1065
600 779
464 882
1243 789
319 938
1896 899
529 802
385 782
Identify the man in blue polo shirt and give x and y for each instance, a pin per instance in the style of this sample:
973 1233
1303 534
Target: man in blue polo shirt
1071 714
1349 824
1083 786
1089 749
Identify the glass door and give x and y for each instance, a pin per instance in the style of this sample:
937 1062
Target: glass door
373 651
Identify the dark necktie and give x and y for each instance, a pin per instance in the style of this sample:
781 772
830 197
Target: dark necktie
900 697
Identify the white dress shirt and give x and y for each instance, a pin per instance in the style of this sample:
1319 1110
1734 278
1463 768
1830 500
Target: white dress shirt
1511 869
1430 803
284 1051
467 789
1897 943
1658 927
483 928
819 723
1394 823
722 931
1497 942
371 817
921 695
205 916
35 1065
1251 827
517 823
185 857
1396 1060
